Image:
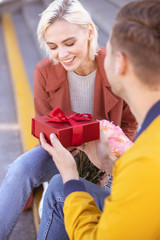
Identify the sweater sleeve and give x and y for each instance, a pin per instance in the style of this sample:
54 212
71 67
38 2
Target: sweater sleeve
81 216
72 186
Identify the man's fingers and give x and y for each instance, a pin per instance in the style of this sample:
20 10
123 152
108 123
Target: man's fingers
103 137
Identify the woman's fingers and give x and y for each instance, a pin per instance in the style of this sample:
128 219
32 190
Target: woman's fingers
55 142
45 145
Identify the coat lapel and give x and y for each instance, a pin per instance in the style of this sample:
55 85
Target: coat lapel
104 99
57 86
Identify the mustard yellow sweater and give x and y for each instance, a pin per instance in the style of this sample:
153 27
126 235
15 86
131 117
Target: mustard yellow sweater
132 211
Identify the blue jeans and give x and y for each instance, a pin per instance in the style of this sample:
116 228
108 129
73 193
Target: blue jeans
52 222
27 172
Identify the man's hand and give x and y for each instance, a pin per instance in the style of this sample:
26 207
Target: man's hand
62 158
99 153
103 180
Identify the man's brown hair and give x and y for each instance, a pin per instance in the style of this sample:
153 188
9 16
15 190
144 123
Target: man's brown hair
136 33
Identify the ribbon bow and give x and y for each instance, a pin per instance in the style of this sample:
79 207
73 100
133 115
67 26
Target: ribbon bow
57 115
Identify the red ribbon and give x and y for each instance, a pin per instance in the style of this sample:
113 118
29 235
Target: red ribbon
57 115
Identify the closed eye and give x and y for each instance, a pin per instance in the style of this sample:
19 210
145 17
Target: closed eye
67 42
53 48
70 44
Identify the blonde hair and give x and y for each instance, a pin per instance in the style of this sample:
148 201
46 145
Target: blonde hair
71 11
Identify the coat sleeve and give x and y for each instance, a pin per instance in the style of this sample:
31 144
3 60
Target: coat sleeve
128 122
41 103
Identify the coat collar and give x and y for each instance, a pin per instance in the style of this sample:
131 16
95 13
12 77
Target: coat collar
150 117
102 86
100 66
56 78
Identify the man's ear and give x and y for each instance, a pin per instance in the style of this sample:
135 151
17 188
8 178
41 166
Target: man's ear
121 64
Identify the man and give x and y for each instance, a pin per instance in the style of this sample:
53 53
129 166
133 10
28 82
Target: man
132 210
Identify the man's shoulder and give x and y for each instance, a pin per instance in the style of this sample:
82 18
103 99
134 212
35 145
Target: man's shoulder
139 167
150 133
145 147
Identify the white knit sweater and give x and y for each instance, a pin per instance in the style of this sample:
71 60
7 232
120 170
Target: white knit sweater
81 92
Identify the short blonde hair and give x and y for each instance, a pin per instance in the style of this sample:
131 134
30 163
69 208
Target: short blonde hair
71 11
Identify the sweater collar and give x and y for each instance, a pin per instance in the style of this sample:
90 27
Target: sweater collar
151 115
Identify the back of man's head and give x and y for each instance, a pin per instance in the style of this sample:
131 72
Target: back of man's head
136 33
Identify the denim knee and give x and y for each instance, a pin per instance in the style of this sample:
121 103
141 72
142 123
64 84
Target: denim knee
19 168
56 181
55 186
54 192
52 222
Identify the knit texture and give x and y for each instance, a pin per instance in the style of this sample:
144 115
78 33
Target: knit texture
81 92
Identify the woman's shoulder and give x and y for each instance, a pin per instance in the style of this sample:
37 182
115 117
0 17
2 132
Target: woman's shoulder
101 52
100 57
100 64
46 66
45 63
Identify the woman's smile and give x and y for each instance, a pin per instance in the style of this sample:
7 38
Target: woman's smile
68 61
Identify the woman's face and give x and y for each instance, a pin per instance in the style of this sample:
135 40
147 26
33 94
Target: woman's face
68 44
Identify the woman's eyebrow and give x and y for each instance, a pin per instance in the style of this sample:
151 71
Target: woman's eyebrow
67 39
70 38
50 43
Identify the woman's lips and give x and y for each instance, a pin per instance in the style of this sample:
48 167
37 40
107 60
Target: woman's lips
68 61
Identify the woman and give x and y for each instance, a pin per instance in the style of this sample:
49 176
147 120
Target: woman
72 78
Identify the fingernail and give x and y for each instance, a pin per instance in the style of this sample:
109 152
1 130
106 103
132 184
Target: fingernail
52 135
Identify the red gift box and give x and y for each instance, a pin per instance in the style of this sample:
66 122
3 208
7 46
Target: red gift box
72 129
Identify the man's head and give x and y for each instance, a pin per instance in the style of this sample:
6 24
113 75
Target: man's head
135 38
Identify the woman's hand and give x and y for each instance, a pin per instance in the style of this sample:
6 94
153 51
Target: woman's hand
73 150
99 153
62 158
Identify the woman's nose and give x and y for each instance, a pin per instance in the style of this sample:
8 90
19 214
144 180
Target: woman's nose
62 53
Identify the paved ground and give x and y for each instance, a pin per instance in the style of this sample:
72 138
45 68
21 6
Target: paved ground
25 20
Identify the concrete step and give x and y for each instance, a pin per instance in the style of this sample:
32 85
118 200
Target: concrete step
118 3
11 131
102 12
11 6
31 13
